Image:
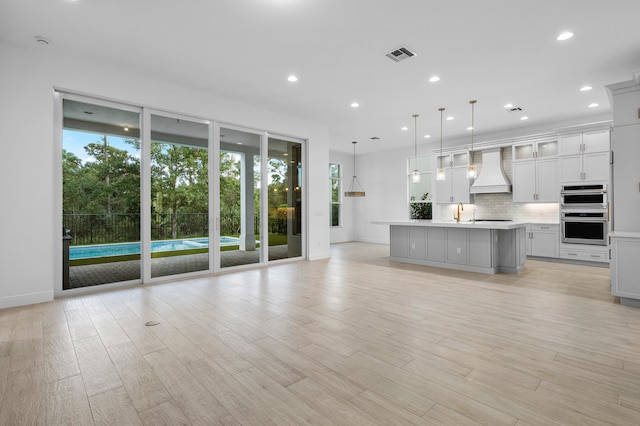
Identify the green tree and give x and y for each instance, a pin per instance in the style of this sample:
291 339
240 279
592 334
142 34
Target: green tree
111 180
179 182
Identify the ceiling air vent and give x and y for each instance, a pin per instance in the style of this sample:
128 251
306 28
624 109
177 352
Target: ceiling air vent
514 109
401 54
374 138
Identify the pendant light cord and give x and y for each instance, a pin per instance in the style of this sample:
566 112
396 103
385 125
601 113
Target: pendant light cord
441 112
415 124
473 125
354 159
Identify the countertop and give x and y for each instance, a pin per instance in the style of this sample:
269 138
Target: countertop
624 234
454 224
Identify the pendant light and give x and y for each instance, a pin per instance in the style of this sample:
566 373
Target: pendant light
355 184
415 175
471 172
440 174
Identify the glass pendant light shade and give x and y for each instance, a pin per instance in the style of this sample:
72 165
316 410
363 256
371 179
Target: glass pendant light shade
471 172
440 174
415 175
355 190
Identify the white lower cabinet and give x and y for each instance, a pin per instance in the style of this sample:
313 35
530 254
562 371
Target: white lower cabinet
585 253
625 254
543 240
464 248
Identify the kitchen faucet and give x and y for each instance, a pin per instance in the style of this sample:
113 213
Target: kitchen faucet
460 207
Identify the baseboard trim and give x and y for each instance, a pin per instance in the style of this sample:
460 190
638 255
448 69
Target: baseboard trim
320 256
25 299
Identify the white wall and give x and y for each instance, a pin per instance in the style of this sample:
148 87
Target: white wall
384 178
30 229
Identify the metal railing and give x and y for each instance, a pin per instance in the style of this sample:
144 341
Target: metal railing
124 227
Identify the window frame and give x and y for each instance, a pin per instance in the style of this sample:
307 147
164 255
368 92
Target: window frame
333 203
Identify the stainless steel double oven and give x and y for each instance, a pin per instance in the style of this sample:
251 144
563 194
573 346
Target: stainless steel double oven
584 214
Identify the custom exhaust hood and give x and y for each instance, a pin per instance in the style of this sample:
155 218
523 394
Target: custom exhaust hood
491 178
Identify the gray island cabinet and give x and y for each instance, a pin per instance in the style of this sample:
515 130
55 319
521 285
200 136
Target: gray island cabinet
486 247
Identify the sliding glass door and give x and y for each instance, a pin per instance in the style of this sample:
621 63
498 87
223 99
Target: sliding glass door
141 188
240 201
285 189
100 193
179 228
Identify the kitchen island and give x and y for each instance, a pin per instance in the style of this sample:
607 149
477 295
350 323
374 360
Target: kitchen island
483 246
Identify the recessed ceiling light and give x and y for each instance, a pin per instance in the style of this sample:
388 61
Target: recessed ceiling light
126 129
404 128
524 117
292 78
593 105
238 143
449 118
427 136
354 105
285 154
565 36
585 88
470 128
508 106
434 79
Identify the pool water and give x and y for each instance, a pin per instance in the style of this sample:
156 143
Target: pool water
120 249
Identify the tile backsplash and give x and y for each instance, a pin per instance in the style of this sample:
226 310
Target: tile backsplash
501 206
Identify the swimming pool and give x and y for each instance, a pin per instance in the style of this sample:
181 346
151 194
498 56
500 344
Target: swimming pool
121 249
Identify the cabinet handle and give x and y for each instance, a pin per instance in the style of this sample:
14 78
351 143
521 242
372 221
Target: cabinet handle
609 254
595 255
572 254
544 227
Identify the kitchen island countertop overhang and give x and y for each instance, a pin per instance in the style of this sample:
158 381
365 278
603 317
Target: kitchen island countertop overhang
479 224
482 246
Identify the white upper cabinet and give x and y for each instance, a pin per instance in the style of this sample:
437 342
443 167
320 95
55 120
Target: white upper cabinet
535 172
580 143
455 188
571 144
585 157
599 141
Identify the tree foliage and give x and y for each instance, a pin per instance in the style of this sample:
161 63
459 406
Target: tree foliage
108 182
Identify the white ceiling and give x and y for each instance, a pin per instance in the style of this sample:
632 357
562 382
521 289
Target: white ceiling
495 51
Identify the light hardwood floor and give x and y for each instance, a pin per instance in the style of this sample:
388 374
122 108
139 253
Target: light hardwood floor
354 340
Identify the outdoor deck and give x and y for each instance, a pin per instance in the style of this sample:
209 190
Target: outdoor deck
90 275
